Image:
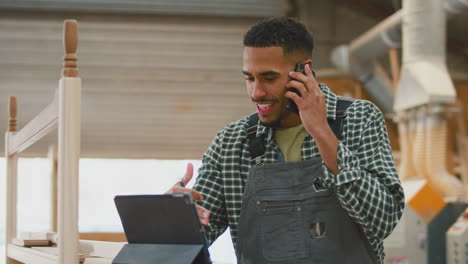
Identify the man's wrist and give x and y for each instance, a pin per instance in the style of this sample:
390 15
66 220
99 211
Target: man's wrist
327 144
321 133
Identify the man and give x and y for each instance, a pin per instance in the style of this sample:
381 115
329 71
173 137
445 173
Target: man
317 186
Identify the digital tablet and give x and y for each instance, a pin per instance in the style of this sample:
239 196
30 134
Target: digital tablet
160 219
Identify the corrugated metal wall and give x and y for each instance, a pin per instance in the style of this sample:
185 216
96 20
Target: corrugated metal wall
153 86
239 8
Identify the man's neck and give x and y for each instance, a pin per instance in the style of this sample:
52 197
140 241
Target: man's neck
291 120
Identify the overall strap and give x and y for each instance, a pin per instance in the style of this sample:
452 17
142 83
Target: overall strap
342 104
257 144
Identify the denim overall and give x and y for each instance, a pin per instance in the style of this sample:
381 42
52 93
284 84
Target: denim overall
285 218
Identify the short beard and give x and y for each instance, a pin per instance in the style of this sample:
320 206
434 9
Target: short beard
277 122
274 124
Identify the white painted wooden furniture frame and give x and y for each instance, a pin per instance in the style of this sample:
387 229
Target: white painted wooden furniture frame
63 113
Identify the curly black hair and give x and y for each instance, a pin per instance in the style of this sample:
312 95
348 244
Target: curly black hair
284 32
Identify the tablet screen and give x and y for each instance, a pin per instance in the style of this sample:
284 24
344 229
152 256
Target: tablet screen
160 219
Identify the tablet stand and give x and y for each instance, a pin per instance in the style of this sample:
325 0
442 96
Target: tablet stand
161 253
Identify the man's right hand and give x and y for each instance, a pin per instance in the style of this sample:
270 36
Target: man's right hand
179 187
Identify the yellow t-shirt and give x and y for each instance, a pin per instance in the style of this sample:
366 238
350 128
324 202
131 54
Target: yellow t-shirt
289 141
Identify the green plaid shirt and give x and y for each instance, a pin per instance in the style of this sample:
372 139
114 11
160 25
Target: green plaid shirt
367 183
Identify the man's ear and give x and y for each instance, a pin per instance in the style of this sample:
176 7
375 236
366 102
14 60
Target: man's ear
308 61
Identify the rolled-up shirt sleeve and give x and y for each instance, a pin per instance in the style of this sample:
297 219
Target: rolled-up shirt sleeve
367 183
209 184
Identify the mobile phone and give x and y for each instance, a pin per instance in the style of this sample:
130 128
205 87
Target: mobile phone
291 106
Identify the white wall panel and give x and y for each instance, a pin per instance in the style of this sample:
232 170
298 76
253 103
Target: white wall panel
153 86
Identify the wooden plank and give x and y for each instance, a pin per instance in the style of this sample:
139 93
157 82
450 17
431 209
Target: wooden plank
30 242
52 156
394 68
69 132
28 255
11 195
91 248
109 237
50 236
98 261
54 251
45 255
44 123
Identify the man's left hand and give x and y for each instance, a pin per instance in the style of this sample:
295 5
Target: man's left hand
311 102
313 113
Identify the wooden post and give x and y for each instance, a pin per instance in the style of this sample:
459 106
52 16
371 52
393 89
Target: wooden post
11 182
12 113
52 157
69 149
395 68
70 43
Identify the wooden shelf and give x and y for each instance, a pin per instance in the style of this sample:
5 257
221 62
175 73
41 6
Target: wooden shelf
28 255
35 256
89 248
